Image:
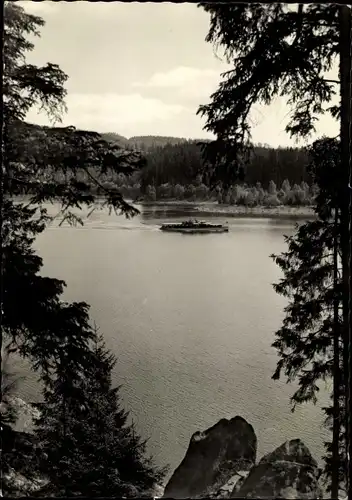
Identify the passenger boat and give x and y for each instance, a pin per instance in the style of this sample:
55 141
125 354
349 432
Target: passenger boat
194 226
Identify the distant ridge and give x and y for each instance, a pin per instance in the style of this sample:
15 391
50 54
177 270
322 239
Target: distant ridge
140 142
145 142
113 137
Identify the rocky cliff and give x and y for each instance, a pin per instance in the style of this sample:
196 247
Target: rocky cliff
212 458
221 463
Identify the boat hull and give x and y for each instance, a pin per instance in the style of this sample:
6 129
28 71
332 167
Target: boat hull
193 230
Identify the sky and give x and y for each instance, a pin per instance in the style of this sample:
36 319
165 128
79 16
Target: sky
141 69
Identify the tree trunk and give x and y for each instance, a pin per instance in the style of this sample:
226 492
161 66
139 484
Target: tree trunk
336 375
345 76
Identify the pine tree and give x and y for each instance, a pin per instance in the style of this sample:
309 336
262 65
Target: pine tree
48 164
87 446
35 320
310 343
278 50
274 50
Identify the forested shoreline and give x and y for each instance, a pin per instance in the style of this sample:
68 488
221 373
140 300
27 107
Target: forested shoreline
174 170
177 171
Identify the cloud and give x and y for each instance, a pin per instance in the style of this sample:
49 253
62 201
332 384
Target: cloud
184 84
113 112
178 77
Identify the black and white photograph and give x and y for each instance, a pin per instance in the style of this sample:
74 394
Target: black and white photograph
176 234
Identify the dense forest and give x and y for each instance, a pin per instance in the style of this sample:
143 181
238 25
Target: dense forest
174 169
179 161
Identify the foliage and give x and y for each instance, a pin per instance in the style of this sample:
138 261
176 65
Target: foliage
35 319
285 51
237 194
172 163
25 85
147 143
166 165
182 163
305 342
32 153
52 164
275 51
87 447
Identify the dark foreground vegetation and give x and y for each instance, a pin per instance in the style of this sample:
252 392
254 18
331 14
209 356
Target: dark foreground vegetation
279 51
81 429
84 442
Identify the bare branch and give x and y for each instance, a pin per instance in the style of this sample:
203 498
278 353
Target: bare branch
338 82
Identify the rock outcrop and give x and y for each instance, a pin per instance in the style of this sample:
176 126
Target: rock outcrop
19 479
213 458
220 463
232 485
288 472
21 485
291 451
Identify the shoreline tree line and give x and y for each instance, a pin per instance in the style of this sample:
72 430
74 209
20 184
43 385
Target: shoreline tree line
177 171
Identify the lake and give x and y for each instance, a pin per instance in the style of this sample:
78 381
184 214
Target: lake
191 319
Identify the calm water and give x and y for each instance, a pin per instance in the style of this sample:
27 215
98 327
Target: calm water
191 319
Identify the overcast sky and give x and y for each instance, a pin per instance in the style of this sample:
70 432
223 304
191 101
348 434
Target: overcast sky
141 69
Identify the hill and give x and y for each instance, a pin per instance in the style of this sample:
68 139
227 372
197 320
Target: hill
115 138
145 142
151 141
